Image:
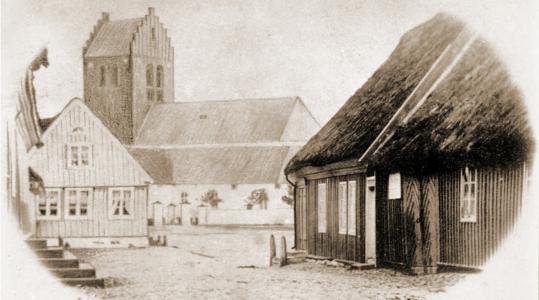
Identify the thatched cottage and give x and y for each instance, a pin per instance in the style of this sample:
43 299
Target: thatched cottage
425 165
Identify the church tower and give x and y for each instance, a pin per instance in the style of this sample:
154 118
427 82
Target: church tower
128 65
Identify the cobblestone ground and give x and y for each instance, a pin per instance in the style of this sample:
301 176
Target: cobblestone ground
231 263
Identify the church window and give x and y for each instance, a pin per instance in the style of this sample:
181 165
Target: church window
149 75
159 77
102 76
114 75
159 96
153 33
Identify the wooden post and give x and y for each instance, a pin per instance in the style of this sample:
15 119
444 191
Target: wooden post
272 249
283 251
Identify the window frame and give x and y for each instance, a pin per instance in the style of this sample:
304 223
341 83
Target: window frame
78 146
150 75
159 77
150 95
47 215
184 197
78 139
321 209
114 78
351 208
89 204
102 76
465 201
130 207
342 196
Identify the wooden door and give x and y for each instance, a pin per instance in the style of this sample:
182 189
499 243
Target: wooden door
370 220
171 214
303 218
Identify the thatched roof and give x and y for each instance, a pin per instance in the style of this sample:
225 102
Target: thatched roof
475 115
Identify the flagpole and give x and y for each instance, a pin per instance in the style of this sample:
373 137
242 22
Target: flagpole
9 170
18 186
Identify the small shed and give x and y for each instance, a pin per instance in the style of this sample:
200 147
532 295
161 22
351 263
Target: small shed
425 165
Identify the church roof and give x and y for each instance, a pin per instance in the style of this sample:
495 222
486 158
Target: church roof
114 38
215 165
220 122
246 141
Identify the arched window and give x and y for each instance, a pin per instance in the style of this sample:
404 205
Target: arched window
149 75
102 76
114 75
159 77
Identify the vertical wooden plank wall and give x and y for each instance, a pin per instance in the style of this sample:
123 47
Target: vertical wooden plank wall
99 224
299 203
499 199
111 165
332 244
395 221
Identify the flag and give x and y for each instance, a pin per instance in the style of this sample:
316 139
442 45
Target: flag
27 118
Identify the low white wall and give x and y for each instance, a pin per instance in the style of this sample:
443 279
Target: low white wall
232 210
246 217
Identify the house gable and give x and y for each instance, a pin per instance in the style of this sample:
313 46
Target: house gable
110 163
301 125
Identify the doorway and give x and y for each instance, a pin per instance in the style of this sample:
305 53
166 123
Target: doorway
157 213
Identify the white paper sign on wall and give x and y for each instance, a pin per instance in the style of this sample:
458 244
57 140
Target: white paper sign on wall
394 186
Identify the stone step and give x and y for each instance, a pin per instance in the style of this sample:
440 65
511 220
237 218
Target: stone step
37 243
83 271
50 253
295 259
356 265
293 253
88 282
57 263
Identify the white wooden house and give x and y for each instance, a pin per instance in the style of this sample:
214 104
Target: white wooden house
96 193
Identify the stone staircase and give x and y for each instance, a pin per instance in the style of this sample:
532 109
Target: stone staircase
64 265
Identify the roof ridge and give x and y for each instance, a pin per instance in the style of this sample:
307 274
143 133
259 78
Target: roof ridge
453 51
230 100
125 20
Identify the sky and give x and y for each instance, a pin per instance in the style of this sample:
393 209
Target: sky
322 51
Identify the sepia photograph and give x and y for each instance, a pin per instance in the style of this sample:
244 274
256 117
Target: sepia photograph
364 149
